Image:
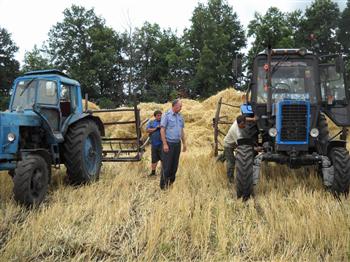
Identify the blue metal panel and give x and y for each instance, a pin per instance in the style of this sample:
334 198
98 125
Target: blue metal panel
10 122
246 109
279 118
7 165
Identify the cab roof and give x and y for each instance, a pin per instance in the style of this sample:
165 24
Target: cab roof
51 73
288 51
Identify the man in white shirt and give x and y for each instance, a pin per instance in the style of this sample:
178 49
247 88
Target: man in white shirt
237 131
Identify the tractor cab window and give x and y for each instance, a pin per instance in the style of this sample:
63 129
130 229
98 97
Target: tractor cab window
47 92
67 99
332 86
24 97
291 80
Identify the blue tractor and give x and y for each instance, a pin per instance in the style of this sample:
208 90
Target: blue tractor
290 94
45 125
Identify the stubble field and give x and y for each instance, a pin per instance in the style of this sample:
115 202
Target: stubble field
125 216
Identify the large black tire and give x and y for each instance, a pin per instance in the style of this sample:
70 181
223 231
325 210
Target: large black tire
31 180
253 131
341 162
244 171
83 152
323 137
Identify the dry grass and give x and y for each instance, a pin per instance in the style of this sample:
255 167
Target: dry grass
125 216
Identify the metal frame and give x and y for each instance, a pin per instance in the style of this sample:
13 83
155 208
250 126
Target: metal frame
219 120
123 149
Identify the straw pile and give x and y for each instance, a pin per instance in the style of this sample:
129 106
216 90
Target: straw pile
198 118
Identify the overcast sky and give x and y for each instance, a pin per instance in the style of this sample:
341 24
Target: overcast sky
30 21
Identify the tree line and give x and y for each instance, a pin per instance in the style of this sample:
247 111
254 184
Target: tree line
157 64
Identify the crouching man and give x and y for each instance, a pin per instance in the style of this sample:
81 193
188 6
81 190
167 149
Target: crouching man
237 131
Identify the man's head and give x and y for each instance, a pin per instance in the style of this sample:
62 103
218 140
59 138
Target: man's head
176 105
241 121
157 114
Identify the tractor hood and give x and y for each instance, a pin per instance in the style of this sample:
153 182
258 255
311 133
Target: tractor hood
10 123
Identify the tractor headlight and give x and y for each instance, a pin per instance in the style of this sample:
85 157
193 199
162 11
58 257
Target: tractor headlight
11 137
314 132
273 132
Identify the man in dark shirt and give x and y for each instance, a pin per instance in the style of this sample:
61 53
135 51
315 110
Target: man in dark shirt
153 129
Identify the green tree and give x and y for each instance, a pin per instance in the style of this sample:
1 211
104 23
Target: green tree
274 28
36 60
214 39
318 29
90 52
148 51
344 29
9 66
344 35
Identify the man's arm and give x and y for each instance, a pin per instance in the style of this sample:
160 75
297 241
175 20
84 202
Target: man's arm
151 130
162 136
183 139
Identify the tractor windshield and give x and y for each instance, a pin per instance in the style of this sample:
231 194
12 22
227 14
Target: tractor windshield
292 79
24 97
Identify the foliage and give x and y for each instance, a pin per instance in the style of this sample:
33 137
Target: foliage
214 39
90 51
318 30
106 103
274 28
9 66
36 60
148 51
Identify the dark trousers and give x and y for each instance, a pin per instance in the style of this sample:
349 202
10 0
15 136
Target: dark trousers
170 162
230 161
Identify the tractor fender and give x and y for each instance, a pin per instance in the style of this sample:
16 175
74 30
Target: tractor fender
77 118
42 152
335 143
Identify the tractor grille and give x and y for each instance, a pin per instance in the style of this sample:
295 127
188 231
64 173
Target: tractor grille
294 122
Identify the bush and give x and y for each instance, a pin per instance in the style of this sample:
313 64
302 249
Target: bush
106 103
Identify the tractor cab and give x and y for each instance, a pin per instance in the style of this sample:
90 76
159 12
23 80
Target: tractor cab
51 94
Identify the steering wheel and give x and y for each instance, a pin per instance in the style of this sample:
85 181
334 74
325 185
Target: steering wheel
285 88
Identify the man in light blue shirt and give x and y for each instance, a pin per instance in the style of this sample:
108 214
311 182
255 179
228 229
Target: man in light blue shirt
172 133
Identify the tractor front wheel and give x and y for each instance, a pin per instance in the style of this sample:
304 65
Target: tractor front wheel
341 162
31 180
83 152
244 171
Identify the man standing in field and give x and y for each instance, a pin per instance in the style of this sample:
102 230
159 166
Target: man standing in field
236 131
153 129
172 133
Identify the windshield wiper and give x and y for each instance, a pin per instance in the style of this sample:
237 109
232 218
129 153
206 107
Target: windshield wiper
26 86
275 67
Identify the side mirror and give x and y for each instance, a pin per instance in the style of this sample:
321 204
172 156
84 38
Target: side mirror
339 64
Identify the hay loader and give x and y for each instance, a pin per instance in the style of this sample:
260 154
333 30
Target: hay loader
291 92
46 126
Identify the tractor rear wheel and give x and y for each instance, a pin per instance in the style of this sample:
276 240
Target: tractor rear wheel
244 171
31 180
83 152
341 162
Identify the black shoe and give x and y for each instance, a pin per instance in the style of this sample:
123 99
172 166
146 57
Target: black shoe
152 174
